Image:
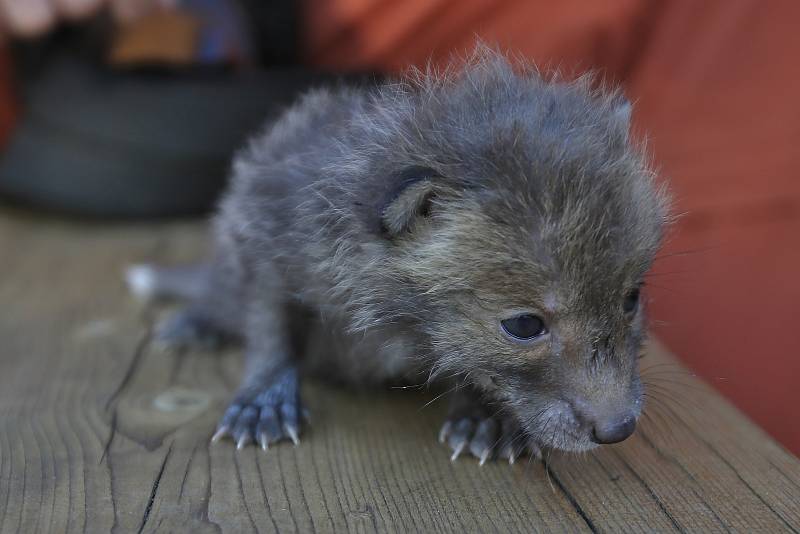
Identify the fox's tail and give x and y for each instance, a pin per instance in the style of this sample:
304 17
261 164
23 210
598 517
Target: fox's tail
150 282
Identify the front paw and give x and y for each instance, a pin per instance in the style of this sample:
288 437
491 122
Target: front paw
264 414
486 437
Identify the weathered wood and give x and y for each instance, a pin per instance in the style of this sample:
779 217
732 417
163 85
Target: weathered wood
100 431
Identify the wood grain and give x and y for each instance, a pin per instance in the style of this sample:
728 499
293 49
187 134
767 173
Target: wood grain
99 431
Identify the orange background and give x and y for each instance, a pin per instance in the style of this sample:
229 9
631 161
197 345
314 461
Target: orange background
716 86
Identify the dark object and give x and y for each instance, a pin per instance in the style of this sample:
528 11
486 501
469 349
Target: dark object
104 143
524 327
275 30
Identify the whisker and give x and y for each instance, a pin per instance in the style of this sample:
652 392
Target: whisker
675 385
685 252
666 395
667 273
437 397
661 417
686 403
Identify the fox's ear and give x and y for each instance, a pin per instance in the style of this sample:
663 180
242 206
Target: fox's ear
408 201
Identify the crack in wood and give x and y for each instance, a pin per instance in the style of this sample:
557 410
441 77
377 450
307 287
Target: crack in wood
653 495
154 490
207 500
783 475
111 434
688 475
750 487
570 498
264 496
138 352
186 472
241 491
727 463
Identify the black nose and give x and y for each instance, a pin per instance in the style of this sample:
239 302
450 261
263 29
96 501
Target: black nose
614 430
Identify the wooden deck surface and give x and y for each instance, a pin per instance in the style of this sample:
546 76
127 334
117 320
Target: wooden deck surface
101 432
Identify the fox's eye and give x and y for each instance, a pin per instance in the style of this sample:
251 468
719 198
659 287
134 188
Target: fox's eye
524 327
631 301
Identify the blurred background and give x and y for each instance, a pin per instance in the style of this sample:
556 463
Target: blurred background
132 109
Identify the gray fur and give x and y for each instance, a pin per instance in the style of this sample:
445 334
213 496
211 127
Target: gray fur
534 199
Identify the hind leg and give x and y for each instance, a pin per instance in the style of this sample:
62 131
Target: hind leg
213 315
190 327
210 321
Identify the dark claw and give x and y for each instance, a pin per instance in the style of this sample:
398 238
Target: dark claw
290 415
230 417
242 433
459 436
244 439
457 447
461 432
291 431
221 432
510 452
486 436
512 442
444 433
268 425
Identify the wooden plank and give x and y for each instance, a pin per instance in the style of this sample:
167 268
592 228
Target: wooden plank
100 431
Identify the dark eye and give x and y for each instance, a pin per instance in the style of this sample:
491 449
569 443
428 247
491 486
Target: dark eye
631 301
525 326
